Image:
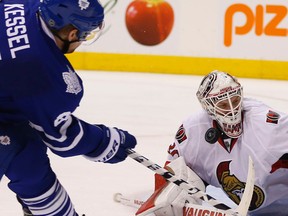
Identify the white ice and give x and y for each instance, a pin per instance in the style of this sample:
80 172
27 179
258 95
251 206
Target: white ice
150 106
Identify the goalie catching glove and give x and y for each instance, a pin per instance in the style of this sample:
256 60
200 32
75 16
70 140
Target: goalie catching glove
169 199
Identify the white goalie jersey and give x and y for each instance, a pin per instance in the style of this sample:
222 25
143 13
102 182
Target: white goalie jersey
224 164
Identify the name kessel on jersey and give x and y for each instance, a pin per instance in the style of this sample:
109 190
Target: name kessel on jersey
16 29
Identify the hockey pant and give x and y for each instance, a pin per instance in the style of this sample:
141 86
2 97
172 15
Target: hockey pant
8 149
32 178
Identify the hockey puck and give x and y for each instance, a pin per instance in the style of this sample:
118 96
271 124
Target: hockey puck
212 135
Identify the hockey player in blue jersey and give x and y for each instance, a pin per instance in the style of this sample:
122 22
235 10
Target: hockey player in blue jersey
39 91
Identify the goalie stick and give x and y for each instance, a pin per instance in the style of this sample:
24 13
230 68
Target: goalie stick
241 209
128 201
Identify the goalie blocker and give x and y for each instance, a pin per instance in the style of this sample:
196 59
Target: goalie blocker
170 200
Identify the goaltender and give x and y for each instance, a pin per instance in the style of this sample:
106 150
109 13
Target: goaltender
216 144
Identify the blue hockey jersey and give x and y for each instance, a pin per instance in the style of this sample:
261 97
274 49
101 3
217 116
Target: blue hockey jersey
39 85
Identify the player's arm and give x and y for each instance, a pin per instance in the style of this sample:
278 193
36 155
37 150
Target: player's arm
66 135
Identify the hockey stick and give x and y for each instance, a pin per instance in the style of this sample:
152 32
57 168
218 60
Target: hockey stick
128 201
243 206
194 191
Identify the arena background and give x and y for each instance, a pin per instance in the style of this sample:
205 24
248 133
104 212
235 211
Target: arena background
245 38
251 42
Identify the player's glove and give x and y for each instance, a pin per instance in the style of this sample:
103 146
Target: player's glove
117 141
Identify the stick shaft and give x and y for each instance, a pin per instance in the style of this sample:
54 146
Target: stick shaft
128 201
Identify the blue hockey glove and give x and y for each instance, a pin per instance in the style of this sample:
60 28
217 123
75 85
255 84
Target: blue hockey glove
117 141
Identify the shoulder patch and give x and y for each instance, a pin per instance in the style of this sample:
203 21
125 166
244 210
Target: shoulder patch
181 135
72 81
272 117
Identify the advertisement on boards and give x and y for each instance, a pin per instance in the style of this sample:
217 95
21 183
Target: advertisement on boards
142 27
234 29
254 29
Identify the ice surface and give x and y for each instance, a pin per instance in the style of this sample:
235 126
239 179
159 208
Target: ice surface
150 106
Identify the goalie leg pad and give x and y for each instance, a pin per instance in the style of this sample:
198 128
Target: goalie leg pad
170 198
194 209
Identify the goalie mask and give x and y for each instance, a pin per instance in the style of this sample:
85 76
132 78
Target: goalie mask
220 94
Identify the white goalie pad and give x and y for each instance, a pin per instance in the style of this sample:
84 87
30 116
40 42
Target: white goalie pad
194 209
170 199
